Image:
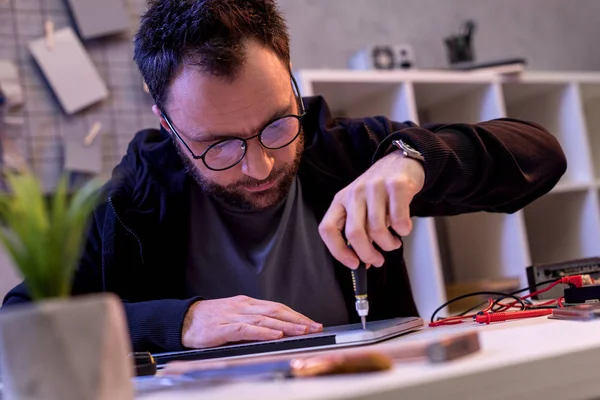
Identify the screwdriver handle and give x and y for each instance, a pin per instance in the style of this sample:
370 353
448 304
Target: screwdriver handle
359 279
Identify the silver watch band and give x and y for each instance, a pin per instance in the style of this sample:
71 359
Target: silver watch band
408 151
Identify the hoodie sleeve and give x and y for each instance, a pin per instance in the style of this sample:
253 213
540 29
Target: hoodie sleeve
496 166
156 325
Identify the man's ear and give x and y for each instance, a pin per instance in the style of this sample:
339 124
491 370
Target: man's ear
158 113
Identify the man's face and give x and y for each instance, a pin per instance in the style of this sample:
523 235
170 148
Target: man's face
204 109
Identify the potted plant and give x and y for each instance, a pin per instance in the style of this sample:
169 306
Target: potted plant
58 346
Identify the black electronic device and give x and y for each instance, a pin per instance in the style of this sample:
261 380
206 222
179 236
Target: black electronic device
583 295
537 273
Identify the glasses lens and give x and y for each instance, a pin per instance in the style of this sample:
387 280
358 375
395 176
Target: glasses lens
280 132
225 154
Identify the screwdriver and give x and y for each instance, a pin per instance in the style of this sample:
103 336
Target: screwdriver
359 281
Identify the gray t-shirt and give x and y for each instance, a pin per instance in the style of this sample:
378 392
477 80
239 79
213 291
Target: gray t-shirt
275 255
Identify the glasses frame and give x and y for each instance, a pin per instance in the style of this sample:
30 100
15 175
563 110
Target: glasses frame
245 140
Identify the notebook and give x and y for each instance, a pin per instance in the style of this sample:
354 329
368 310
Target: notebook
69 71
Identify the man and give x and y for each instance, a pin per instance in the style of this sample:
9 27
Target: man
231 223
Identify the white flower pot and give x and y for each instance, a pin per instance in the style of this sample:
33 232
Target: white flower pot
67 349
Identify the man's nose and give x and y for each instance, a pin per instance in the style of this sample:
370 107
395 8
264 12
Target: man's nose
257 163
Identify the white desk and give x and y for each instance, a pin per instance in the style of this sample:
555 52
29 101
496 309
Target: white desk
536 359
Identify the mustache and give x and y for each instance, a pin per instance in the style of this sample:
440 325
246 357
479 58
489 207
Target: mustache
252 182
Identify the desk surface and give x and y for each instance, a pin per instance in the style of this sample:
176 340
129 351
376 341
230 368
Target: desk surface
534 357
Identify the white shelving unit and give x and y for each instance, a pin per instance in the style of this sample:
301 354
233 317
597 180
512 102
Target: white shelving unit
562 225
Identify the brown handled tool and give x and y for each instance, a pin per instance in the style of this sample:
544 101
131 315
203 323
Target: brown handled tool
376 357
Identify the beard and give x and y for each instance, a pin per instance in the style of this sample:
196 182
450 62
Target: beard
237 196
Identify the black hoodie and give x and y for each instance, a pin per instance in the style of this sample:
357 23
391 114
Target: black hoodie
137 243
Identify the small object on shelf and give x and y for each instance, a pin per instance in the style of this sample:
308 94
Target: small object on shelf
69 71
383 57
460 47
509 66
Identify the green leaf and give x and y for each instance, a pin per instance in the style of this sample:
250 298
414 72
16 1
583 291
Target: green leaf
44 237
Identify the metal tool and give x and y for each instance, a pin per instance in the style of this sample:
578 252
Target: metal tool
359 281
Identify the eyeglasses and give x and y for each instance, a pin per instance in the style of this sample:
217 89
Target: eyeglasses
228 152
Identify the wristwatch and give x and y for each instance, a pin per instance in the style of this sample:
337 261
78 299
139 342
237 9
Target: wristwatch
408 151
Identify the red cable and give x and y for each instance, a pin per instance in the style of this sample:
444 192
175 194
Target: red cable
485 316
575 280
503 316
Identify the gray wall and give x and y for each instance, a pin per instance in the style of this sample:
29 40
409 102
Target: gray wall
551 34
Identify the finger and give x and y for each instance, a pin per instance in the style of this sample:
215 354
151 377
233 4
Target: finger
288 328
400 199
356 231
281 312
330 230
377 210
239 331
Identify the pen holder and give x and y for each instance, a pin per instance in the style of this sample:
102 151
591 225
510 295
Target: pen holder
459 50
68 349
460 47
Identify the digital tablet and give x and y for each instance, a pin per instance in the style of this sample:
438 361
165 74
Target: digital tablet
330 337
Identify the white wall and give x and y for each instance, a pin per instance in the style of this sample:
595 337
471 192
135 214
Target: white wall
551 34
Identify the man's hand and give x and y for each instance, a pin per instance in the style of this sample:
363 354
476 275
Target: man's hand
378 199
210 323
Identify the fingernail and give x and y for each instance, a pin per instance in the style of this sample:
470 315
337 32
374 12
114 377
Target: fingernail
301 329
380 262
316 327
351 263
277 334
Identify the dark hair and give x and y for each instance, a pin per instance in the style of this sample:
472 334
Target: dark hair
210 34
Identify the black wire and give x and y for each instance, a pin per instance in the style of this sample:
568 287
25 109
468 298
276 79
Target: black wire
464 296
502 298
524 289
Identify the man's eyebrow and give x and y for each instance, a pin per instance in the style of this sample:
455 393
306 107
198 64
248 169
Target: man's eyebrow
203 137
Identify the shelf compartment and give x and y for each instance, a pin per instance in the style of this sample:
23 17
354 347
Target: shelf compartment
590 95
458 102
483 245
360 99
557 107
563 226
